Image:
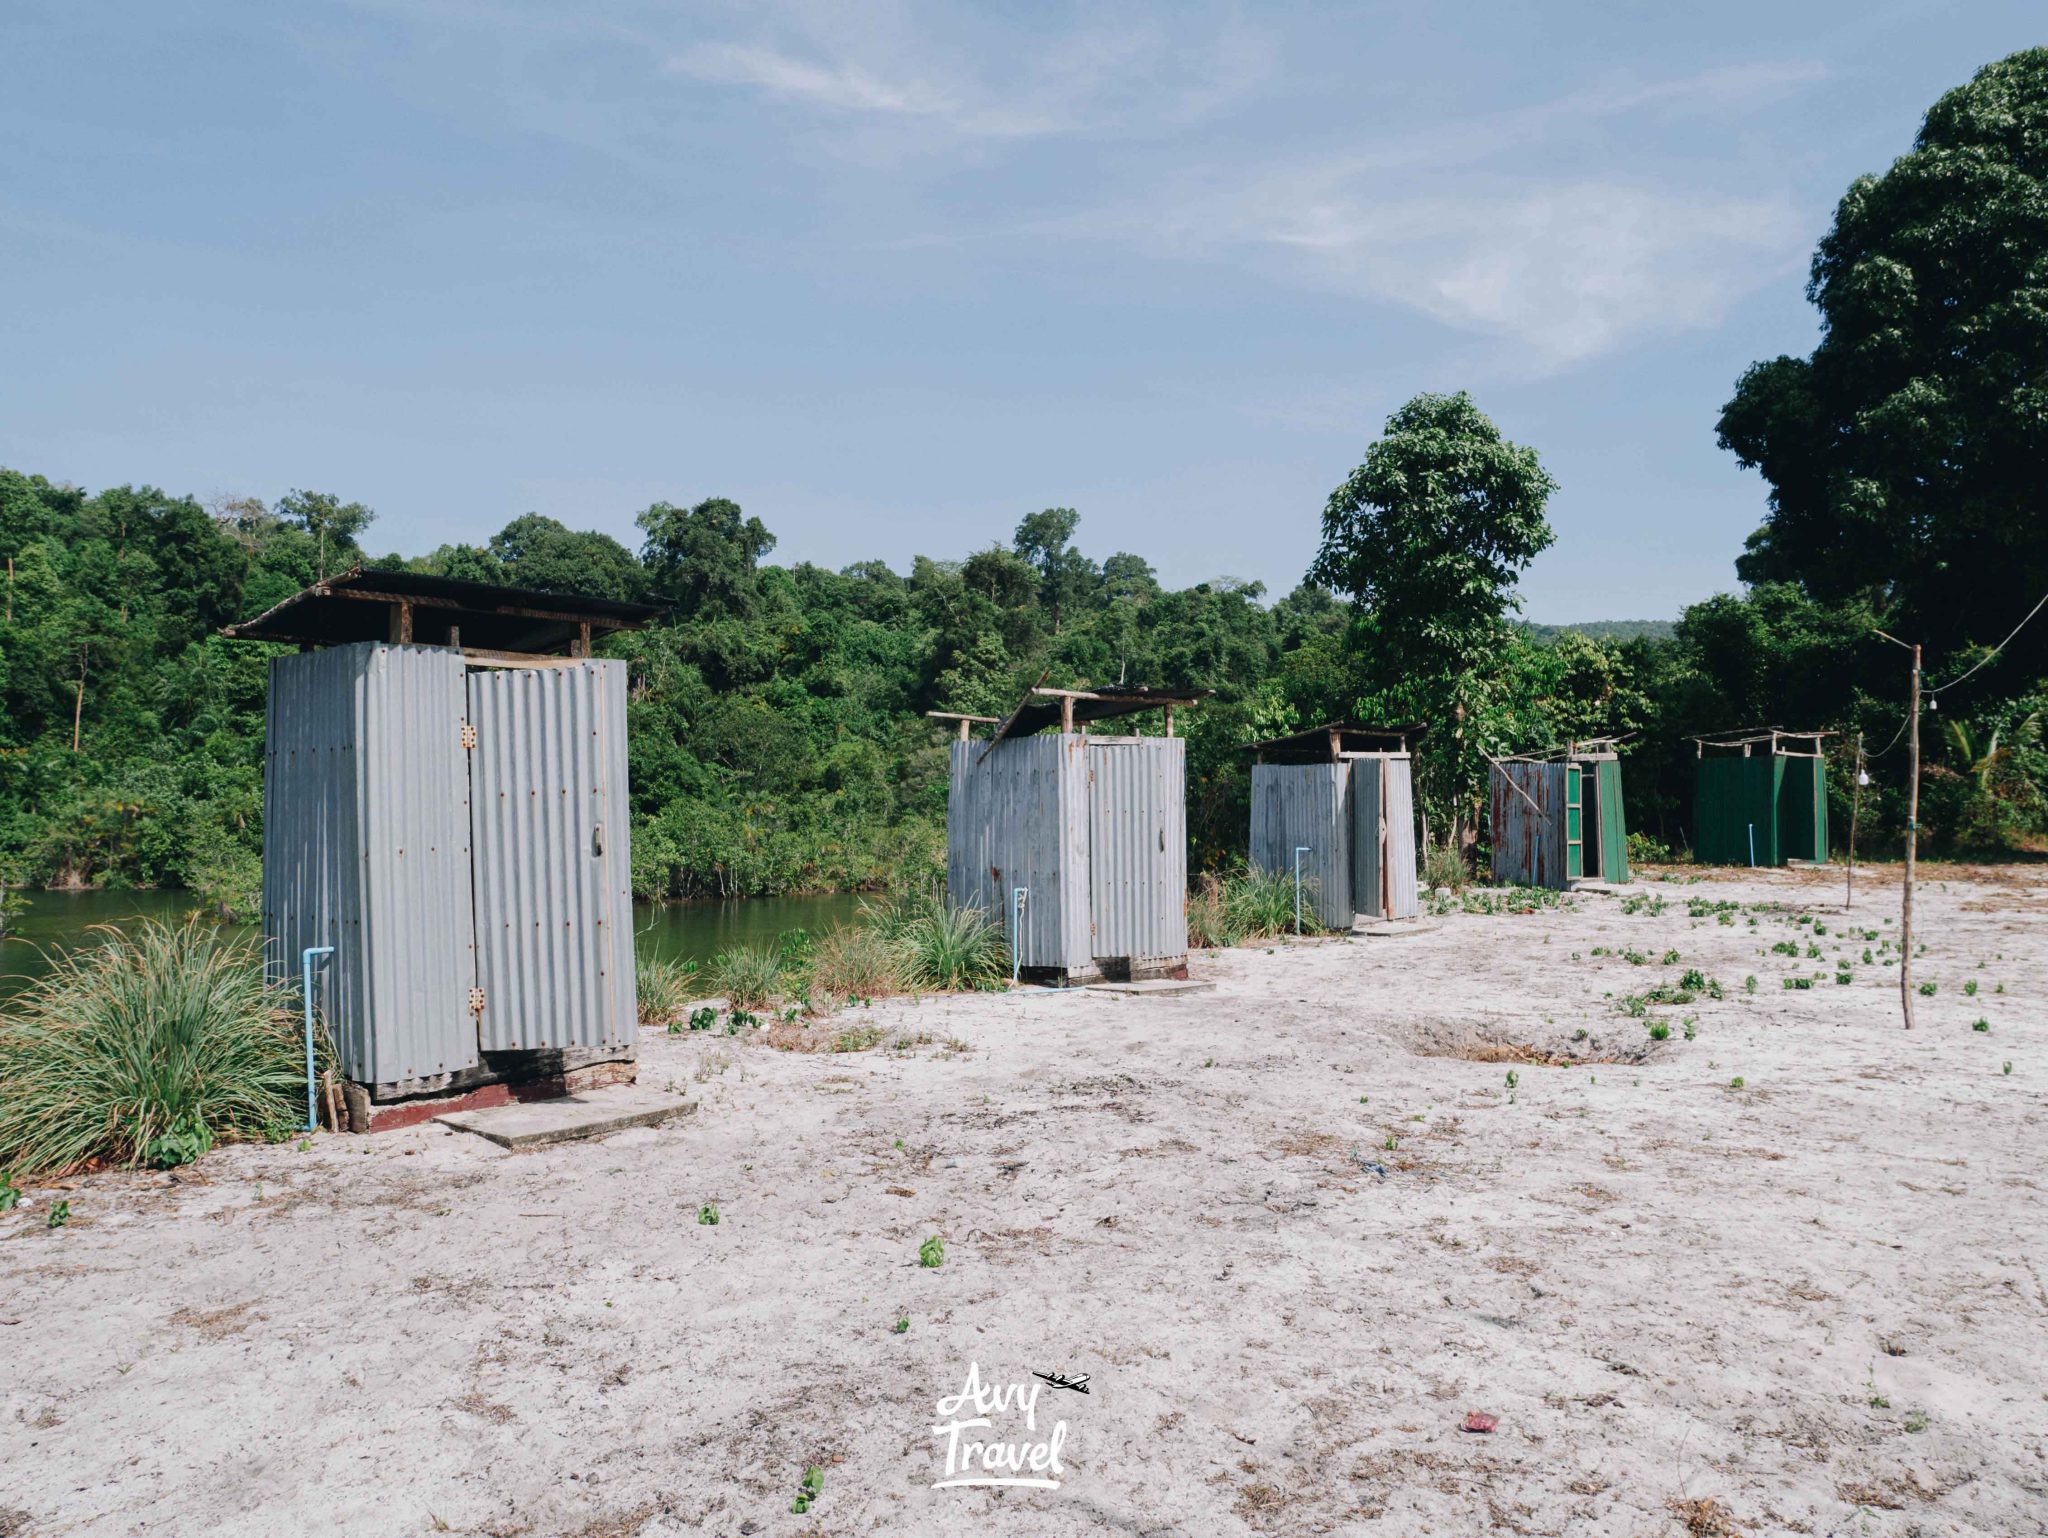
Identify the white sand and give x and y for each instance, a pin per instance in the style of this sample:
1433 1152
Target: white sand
1664 1288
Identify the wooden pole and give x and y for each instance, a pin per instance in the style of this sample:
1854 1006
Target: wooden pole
1855 807
1912 842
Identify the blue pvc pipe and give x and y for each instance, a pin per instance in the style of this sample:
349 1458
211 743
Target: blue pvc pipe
306 996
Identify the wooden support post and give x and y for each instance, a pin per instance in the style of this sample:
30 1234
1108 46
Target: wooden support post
1912 843
1855 807
1067 713
401 624
581 646
963 728
455 637
1169 720
1336 746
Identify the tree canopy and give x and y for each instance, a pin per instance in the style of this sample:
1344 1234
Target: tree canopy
1905 456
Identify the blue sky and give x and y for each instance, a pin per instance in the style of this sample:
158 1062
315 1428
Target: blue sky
894 275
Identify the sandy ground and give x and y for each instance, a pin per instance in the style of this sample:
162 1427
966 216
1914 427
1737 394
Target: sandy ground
1814 1304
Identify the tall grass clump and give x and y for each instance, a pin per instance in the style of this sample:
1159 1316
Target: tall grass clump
1248 905
953 949
147 1047
855 961
1210 925
747 975
663 988
1443 866
1261 903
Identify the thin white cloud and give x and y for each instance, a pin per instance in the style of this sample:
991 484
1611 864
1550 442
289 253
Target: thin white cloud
903 67
1559 268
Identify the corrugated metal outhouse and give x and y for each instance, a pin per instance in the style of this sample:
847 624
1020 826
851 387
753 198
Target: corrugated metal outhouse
1091 827
1559 819
1344 796
1761 799
445 803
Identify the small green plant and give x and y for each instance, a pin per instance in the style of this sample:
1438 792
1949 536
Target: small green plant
1634 958
1928 989
1692 1027
708 1215
1659 1031
1877 1401
1749 983
1512 1080
185 1141
1844 977
902 1326
10 1193
1785 948
1798 982
932 1253
1970 989
1915 1422
1443 866
2008 1067
955 950
899 1145
702 1018
60 1214
1736 1082
1980 1024
1390 1142
1671 958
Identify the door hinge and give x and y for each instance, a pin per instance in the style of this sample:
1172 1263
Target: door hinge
468 736
476 1001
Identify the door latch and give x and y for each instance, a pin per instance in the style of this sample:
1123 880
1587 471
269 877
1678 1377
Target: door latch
476 1001
468 736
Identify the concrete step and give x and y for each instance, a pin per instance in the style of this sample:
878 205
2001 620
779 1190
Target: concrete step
594 1113
1154 987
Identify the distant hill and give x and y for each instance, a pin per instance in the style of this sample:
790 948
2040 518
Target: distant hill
1608 630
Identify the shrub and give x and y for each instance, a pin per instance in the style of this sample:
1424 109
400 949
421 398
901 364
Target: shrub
954 948
747 976
663 988
152 1045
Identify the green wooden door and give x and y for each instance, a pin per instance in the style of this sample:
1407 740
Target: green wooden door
1613 826
1574 824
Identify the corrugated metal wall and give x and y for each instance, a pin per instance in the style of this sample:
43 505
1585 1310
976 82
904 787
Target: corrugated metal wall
1613 830
1527 820
1018 817
1138 848
1803 808
554 906
1306 804
366 848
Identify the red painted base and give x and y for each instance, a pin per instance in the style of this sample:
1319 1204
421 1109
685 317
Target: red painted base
364 1115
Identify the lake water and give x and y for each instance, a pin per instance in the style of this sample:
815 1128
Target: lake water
694 931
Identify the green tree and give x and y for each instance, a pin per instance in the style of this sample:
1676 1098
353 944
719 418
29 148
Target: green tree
333 524
1429 535
1905 455
1046 540
703 559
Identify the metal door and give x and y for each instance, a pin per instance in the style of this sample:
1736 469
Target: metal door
1369 837
1138 849
550 863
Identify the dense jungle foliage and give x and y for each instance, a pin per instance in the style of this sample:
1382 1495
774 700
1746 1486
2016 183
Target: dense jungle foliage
778 735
